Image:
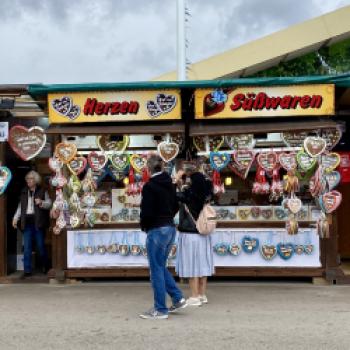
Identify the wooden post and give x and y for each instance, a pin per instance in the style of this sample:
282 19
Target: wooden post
3 224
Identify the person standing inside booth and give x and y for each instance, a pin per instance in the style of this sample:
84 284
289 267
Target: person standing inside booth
31 218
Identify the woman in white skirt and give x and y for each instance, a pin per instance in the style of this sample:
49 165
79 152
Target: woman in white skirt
195 255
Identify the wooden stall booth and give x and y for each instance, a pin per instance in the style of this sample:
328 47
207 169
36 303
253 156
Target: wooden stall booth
267 145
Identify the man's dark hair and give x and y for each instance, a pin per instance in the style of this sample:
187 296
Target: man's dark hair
155 164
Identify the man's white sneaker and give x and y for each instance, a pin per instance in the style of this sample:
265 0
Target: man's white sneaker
194 302
203 299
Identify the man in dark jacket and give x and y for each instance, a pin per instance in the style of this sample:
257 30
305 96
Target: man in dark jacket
158 208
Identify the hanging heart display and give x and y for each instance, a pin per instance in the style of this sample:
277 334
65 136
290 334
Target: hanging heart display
215 143
235 249
238 142
138 162
285 250
106 143
331 136
77 165
250 244
267 160
314 145
330 161
97 161
55 164
288 161
276 189
330 201
305 161
298 249
219 161
27 143
65 152
294 139
74 184
168 150
119 161
221 248
268 251
294 204
332 179
242 162
5 178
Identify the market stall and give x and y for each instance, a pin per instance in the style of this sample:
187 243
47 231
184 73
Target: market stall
268 149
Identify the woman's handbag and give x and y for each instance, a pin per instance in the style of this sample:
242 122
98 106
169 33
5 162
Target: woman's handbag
206 222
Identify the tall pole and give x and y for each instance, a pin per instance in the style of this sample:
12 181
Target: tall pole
181 40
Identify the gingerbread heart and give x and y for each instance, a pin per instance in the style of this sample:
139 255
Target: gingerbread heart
330 201
242 162
330 161
294 205
166 103
65 107
97 161
138 162
215 143
294 139
267 160
332 178
5 178
238 142
55 164
244 213
285 250
332 137
288 161
65 152
305 161
153 109
114 173
106 143
219 161
268 252
77 165
235 249
299 249
168 150
314 145
27 143
249 244
119 161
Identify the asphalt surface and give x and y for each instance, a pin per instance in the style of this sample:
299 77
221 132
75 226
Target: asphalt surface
239 316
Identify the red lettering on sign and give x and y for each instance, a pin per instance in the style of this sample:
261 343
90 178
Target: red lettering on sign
92 106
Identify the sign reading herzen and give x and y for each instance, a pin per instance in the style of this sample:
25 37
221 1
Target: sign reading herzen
106 106
245 102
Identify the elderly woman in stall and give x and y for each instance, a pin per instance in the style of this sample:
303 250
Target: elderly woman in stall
31 218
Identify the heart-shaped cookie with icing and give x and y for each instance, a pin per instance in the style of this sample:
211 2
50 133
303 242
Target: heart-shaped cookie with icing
305 161
77 165
219 161
314 145
215 143
267 160
97 161
288 161
330 201
55 164
330 161
294 205
332 178
106 143
168 150
27 143
268 251
5 178
65 152
138 162
119 161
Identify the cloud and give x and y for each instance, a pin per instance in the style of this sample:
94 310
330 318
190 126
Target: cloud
70 41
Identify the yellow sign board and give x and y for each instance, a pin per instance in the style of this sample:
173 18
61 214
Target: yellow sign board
274 101
114 106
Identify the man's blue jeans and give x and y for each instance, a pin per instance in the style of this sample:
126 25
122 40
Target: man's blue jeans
159 241
30 233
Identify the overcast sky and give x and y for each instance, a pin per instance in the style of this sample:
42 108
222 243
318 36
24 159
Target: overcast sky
72 41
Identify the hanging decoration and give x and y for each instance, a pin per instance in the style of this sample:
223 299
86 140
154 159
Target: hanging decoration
242 162
97 161
107 144
5 178
314 145
260 185
214 143
276 189
250 244
27 143
77 165
65 152
288 161
285 250
168 150
239 142
119 161
218 161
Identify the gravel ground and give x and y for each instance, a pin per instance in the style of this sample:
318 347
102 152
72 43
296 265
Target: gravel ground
239 316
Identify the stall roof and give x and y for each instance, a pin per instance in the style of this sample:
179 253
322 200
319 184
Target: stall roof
341 80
